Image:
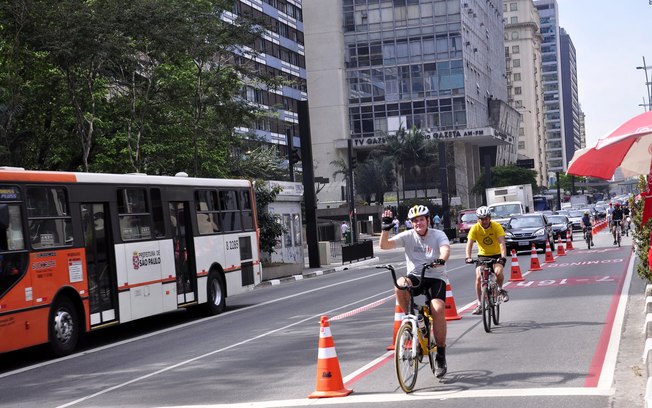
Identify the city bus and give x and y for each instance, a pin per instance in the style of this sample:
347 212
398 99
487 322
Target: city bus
83 251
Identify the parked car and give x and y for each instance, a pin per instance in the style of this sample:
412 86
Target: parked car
561 227
524 230
465 220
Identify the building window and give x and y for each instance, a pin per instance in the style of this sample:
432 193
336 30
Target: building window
517 76
518 104
517 90
516 63
515 49
521 145
513 20
513 6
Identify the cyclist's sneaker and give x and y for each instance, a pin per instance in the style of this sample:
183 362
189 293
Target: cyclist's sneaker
477 310
440 366
615 242
504 295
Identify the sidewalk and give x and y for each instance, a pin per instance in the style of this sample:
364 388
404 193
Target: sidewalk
334 266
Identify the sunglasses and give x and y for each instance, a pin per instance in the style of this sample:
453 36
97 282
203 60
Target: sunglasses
488 217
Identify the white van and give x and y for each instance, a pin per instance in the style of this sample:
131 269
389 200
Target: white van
501 212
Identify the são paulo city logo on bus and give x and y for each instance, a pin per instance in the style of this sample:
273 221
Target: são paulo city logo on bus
145 258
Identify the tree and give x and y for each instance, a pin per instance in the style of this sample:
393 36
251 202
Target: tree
270 225
409 150
375 176
641 232
506 176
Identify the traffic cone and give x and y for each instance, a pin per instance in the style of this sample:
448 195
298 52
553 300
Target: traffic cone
398 319
329 377
451 308
516 275
569 243
560 248
549 257
534 260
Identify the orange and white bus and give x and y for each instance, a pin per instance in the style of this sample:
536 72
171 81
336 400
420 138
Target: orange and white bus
82 251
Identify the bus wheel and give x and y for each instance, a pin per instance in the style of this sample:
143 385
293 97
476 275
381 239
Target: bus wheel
216 294
63 327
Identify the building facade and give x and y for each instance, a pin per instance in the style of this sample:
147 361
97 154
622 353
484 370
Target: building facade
551 80
570 97
375 66
524 81
280 53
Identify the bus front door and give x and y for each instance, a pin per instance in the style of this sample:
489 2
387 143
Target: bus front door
101 276
184 253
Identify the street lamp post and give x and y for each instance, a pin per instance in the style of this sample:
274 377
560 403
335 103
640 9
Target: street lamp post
648 86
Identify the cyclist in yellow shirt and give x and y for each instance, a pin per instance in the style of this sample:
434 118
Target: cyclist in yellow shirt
490 237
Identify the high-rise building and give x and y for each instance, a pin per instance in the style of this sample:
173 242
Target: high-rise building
551 80
570 98
582 128
524 81
438 65
280 54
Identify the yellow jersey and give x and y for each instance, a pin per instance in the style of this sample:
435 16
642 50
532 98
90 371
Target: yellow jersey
487 239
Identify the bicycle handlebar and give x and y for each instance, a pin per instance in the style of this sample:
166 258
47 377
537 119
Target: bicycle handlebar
435 263
487 262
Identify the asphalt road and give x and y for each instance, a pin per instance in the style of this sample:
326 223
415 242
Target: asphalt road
557 346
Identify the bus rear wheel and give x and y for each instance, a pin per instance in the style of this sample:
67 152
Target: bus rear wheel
63 327
216 294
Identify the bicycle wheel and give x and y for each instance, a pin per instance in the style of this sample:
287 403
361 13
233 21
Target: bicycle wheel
495 312
405 363
486 310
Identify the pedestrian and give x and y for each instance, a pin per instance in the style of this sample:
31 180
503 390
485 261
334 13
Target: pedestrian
408 224
395 224
344 228
437 220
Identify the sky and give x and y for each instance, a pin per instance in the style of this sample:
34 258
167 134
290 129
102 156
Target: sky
611 37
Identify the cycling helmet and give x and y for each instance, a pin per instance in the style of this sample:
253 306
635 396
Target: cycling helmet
482 212
586 213
417 211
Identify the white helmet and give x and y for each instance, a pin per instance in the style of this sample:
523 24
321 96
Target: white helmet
482 212
418 210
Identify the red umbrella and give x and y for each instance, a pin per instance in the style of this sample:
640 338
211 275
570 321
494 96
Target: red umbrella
628 147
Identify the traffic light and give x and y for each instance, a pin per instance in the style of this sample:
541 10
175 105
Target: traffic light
295 156
354 162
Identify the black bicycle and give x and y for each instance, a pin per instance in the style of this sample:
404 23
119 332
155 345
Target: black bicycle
490 298
414 338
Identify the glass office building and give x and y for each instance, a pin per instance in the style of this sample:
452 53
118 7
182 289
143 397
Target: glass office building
437 65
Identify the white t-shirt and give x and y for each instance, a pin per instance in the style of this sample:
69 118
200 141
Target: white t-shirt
420 250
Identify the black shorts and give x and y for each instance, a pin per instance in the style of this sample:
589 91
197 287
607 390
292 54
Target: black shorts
488 257
433 288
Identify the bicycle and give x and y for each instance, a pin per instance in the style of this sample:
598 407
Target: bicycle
618 232
588 235
414 338
490 298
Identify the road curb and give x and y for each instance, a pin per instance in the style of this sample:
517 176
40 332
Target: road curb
647 358
313 273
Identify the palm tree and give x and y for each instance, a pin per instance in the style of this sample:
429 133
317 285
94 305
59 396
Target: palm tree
375 176
409 150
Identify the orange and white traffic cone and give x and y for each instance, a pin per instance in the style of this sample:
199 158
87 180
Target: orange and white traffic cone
516 275
534 260
549 257
569 243
398 319
560 248
450 307
329 377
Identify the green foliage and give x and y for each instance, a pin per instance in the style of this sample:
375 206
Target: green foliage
506 176
123 85
375 176
270 224
641 233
